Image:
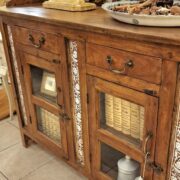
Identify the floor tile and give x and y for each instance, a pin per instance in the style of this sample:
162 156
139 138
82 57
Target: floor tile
4 120
17 161
14 121
9 135
2 177
56 169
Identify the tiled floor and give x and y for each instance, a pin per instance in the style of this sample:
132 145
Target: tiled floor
33 163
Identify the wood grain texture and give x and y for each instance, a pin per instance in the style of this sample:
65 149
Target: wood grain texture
155 51
51 40
88 21
29 60
129 43
12 3
97 56
165 116
95 86
132 83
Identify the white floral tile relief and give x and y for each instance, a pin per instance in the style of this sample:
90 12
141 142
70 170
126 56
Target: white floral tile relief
17 74
76 101
175 165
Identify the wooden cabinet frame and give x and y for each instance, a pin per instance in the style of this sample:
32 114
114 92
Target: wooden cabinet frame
29 60
146 42
150 103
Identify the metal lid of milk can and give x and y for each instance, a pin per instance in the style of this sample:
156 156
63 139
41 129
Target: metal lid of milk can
139 178
127 166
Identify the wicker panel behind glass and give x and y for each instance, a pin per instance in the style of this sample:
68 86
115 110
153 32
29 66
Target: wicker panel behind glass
121 115
48 124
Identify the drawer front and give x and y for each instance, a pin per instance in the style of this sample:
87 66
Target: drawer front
125 63
39 40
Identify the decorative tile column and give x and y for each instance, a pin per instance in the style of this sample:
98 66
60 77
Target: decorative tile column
175 164
77 114
15 64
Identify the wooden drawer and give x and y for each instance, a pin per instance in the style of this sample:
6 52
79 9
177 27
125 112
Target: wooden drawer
39 40
125 63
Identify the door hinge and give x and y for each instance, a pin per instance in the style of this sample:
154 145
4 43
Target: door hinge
22 69
90 157
157 168
9 49
64 116
56 61
150 92
87 98
30 119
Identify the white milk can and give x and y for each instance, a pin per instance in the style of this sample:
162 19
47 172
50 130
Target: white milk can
128 169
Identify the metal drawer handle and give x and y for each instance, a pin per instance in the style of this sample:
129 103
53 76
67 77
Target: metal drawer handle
41 41
148 138
146 152
128 64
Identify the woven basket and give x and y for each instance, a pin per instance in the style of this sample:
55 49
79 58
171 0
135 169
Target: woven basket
49 125
124 116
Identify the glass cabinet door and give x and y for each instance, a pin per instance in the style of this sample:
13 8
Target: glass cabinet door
121 117
122 120
43 84
44 78
46 101
109 158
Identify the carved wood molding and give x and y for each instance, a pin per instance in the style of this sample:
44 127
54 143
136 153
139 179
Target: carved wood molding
11 3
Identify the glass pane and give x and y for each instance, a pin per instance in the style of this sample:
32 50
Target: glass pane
43 84
109 163
48 124
121 117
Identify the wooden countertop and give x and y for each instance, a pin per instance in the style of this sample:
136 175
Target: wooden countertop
94 21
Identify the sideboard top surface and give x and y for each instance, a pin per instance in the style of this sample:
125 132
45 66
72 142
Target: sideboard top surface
94 21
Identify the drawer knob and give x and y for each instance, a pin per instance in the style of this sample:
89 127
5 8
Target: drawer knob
127 65
41 41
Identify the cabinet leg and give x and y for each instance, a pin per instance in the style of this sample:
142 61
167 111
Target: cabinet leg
25 140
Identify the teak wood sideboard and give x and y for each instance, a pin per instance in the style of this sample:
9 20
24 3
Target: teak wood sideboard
93 90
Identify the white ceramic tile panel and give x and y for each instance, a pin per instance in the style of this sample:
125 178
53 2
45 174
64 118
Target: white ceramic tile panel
76 101
17 75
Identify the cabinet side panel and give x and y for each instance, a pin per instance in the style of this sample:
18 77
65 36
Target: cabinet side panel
166 102
17 74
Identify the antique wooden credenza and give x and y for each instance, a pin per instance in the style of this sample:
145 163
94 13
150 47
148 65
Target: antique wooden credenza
92 62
